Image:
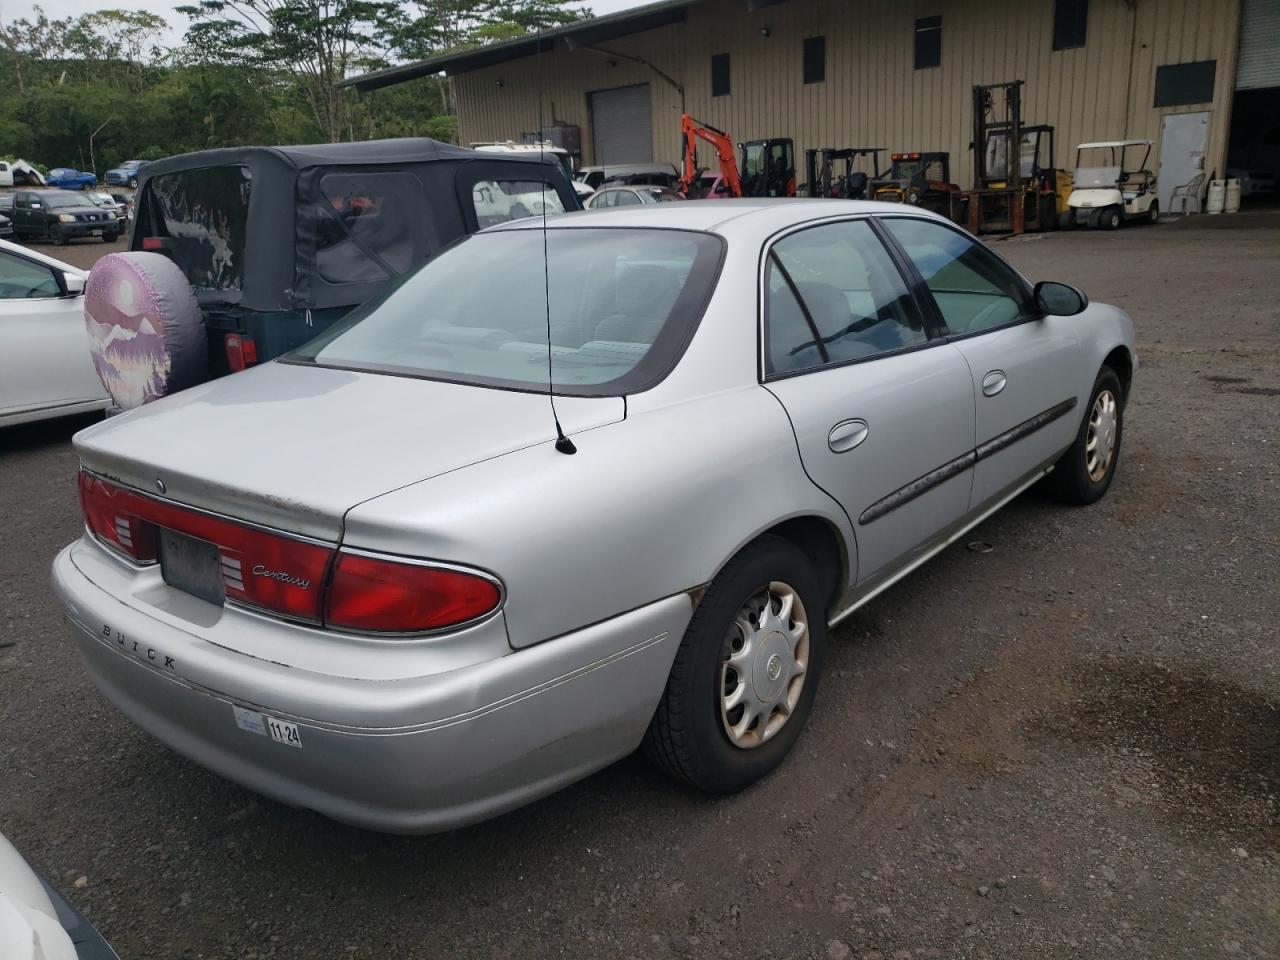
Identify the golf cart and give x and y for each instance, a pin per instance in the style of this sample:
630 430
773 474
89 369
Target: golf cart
851 184
1119 190
921 180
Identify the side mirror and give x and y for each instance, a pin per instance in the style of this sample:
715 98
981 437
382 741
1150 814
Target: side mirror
1059 299
74 284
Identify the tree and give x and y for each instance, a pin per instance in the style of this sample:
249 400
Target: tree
316 42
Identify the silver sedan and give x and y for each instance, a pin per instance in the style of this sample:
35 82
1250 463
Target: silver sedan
572 489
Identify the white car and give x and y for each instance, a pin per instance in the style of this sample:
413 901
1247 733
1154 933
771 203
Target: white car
45 367
560 153
36 923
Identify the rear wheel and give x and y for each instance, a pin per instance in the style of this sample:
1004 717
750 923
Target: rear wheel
1110 218
133 183
1083 474
1153 214
746 673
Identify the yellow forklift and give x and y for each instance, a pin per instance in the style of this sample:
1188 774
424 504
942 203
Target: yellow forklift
1016 185
822 180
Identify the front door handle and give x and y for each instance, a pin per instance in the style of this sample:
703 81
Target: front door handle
994 382
847 434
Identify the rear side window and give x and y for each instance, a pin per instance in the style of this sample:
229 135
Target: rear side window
497 201
374 226
833 295
204 215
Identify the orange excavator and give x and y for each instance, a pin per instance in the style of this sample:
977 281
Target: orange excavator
730 183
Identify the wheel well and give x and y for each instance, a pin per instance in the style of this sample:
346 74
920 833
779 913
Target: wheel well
1120 361
822 544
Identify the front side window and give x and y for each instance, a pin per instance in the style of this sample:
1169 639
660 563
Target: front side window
626 198
372 226
974 289
20 279
833 295
623 305
498 201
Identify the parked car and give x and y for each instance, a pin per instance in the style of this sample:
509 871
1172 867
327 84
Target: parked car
611 196
45 367
1253 182
655 174
19 173
545 148
56 217
6 228
127 174
776 409
276 243
36 922
66 178
107 201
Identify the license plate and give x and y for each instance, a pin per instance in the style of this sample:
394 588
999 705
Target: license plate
282 731
191 565
96 233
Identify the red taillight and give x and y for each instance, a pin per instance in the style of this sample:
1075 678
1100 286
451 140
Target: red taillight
241 351
287 575
155 244
264 569
389 596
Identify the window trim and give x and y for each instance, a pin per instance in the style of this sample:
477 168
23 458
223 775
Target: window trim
926 25
820 45
59 278
728 75
946 335
762 300
1057 42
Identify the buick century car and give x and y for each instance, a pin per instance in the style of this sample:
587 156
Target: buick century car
480 539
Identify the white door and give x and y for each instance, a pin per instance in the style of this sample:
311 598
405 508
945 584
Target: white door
44 347
1183 138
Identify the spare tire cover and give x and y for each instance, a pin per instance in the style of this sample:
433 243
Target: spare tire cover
146 333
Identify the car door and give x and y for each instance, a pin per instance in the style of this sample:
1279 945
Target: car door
22 214
1025 366
882 407
44 348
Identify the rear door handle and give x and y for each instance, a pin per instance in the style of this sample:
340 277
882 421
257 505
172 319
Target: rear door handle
847 434
994 382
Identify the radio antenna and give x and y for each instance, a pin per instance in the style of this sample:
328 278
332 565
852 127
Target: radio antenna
563 443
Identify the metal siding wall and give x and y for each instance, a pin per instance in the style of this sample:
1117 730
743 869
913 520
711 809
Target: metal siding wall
873 96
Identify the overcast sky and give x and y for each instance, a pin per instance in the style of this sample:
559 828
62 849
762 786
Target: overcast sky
56 9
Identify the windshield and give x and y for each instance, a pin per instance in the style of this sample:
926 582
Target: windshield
906 169
623 305
54 200
1097 176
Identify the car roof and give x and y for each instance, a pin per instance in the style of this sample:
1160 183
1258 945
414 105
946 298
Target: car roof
1115 143
717 216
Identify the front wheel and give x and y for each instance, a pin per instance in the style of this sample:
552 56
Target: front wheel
133 183
1110 219
1067 219
746 672
57 237
1083 474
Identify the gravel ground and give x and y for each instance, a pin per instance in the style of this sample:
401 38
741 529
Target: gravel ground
1066 747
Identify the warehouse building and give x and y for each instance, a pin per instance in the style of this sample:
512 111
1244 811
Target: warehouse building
891 73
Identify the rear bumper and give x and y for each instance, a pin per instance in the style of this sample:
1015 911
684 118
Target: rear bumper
440 751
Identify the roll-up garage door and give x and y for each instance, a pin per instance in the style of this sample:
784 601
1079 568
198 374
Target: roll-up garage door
1259 64
622 125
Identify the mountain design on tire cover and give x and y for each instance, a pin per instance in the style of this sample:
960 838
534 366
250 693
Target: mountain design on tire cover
141 314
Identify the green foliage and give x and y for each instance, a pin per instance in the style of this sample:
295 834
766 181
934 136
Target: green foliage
93 91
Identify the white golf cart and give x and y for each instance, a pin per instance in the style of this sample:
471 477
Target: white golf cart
1117 190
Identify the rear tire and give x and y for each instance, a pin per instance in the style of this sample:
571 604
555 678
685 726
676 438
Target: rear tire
1153 214
1082 475
698 734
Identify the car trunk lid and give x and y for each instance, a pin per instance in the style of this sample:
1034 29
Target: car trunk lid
295 447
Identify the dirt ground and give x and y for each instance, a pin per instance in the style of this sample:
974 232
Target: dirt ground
1066 747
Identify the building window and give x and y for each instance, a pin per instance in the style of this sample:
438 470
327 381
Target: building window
928 42
1182 83
815 59
720 75
1070 23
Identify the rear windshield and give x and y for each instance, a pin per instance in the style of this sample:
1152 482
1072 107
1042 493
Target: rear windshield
623 305
204 214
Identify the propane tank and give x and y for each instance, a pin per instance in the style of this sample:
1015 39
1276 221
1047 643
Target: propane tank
1217 196
1232 204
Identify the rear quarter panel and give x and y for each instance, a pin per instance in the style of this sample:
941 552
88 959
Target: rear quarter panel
646 509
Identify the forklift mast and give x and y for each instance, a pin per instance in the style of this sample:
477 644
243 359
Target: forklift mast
997 135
